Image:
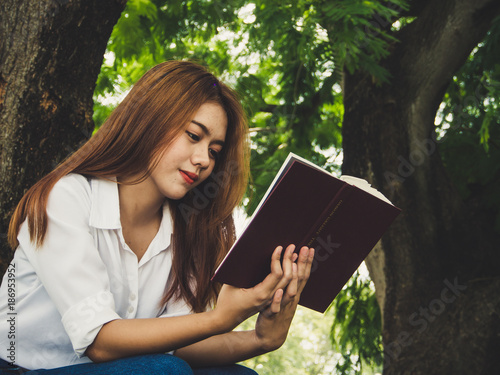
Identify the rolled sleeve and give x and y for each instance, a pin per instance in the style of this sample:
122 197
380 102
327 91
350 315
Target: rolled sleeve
69 265
83 321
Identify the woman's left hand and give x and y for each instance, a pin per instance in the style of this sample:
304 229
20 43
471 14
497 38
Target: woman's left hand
274 321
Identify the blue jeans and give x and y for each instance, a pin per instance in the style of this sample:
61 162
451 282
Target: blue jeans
157 364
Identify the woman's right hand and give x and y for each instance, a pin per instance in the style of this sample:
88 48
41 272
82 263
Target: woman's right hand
235 305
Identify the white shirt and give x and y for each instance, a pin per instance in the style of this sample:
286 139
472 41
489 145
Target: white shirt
82 277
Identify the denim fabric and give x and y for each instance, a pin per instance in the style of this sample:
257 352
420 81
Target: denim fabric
225 370
158 364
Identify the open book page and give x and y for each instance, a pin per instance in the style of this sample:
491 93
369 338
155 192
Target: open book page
364 185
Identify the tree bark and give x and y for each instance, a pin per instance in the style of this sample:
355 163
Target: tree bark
437 271
50 56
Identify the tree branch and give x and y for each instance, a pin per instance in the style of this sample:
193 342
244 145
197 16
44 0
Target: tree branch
430 59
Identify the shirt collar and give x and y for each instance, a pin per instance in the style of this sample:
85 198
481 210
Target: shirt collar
105 214
162 240
105 209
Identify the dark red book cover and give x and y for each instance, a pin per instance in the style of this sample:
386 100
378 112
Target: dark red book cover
306 205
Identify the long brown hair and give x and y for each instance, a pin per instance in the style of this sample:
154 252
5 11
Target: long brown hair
130 143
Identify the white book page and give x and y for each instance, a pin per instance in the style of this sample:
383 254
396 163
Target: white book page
364 185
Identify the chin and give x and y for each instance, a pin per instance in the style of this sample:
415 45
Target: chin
175 195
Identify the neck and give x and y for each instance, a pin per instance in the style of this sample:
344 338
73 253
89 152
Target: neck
140 204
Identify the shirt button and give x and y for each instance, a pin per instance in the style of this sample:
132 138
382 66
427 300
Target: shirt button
131 309
132 297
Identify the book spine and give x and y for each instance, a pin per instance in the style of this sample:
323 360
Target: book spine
331 208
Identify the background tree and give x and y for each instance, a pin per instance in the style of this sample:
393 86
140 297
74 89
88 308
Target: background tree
51 52
368 77
441 258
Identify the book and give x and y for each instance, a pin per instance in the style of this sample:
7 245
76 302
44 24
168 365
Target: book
342 218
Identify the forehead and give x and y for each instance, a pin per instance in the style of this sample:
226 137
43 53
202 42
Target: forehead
212 120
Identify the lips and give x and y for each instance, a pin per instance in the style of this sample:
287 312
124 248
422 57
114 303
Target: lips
189 177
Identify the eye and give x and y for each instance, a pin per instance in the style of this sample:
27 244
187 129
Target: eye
214 153
193 136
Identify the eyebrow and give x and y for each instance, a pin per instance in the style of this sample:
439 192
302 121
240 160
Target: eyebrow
207 132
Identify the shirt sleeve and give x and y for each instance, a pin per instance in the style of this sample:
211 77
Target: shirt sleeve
68 263
176 308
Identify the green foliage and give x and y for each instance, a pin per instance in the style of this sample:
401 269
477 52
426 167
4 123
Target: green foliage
153 31
361 31
284 59
357 325
469 124
306 350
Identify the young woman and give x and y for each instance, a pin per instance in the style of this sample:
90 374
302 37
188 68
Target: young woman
116 246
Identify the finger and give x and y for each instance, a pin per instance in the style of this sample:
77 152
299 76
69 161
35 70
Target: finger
276 261
269 285
302 262
276 271
274 307
288 261
306 257
310 260
287 267
276 304
292 288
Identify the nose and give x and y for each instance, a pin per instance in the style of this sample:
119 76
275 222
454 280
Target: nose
201 157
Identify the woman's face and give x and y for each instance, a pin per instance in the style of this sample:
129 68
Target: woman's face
191 157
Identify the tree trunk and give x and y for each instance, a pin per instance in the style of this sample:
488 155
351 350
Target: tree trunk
50 56
437 271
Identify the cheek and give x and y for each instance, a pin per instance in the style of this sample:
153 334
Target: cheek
173 155
206 173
